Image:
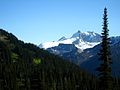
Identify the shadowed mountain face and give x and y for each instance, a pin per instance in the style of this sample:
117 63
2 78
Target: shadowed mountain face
80 52
92 63
88 59
73 47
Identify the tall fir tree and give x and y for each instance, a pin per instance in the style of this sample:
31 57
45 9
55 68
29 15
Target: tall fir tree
105 71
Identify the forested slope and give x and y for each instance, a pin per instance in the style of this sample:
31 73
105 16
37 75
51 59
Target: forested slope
23 66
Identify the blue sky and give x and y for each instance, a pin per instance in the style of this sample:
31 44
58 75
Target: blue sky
38 21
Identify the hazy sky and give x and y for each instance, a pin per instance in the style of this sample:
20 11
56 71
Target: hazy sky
38 21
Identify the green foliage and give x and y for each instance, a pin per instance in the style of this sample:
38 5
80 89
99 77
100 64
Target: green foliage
37 61
14 57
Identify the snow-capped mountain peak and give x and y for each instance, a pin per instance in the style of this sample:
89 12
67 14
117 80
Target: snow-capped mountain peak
81 40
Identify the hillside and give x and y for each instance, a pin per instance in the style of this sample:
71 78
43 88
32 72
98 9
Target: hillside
23 66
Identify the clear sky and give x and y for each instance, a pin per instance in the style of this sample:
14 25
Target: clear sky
39 21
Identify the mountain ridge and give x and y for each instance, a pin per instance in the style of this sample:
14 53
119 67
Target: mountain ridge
81 40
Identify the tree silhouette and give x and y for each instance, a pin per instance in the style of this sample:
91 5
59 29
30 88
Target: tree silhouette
105 71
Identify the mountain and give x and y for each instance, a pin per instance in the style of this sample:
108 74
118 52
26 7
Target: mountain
62 48
80 40
87 36
24 66
83 48
92 63
70 48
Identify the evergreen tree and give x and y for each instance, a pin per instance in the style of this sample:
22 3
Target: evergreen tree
105 71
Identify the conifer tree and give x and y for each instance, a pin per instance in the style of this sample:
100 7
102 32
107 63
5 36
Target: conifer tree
105 71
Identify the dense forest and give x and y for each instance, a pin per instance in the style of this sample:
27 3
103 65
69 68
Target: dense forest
23 66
